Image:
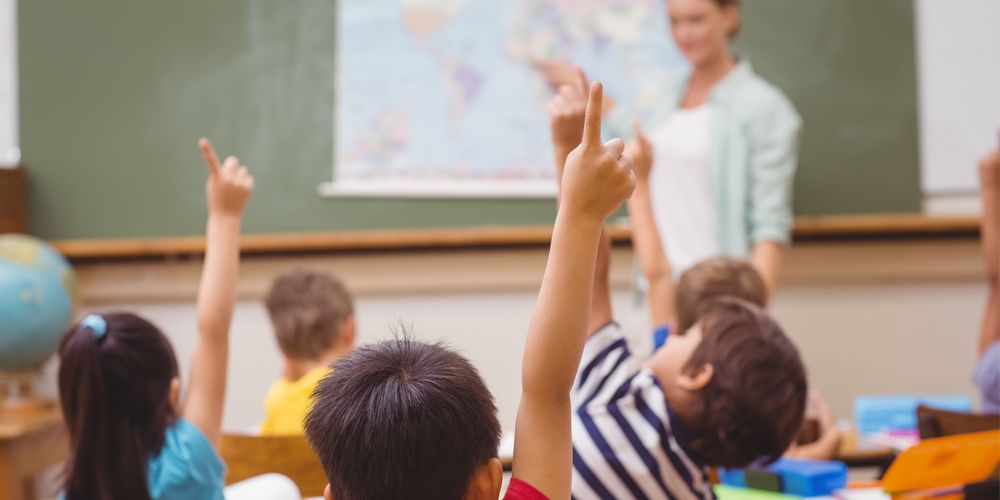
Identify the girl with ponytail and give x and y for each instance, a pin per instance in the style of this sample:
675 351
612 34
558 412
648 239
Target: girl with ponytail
131 435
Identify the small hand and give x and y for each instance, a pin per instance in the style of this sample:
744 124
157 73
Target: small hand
598 177
566 112
641 151
557 73
823 411
989 170
229 185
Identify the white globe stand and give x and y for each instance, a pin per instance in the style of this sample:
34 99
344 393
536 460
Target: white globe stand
17 393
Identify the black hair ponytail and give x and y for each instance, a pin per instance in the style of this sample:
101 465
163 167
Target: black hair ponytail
115 375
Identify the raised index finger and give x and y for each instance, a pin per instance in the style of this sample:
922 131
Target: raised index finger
211 159
592 122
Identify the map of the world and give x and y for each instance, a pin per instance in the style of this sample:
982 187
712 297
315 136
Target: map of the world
447 97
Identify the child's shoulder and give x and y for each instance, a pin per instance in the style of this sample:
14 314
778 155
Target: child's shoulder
187 464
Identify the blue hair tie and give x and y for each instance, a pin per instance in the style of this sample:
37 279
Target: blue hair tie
96 324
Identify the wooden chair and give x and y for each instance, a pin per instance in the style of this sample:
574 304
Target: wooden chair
934 423
247 456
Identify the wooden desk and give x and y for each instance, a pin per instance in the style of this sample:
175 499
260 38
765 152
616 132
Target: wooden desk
31 441
856 452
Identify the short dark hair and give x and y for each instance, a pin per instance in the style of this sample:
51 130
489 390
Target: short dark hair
402 419
713 278
307 309
753 407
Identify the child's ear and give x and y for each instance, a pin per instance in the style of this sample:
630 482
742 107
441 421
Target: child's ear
696 380
349 330
175 394
496 472
327 495
486 481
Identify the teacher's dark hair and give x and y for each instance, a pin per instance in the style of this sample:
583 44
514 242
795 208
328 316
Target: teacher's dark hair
736 4
114 387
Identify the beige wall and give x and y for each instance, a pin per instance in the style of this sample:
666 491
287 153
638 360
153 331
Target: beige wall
869 317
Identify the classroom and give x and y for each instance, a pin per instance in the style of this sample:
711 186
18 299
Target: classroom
733 249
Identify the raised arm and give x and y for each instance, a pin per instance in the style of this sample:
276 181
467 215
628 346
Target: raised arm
646 240
228 189
567 110
598 178
989 177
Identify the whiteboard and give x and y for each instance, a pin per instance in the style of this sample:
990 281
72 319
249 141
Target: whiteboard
958 47
10 154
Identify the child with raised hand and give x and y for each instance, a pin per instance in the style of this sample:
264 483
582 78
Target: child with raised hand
416 419
728 391
131 436
987 374
675 307
596 180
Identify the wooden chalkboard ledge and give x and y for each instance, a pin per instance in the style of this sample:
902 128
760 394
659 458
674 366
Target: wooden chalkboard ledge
806 228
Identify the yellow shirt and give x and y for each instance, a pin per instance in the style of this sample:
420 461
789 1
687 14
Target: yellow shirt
288 402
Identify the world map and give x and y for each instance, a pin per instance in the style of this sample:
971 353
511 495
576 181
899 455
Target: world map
447 97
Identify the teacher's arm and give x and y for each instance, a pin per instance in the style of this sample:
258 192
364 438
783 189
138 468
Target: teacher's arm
767 258
774 158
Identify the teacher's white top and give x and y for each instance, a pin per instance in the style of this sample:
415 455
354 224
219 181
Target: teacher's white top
754 145
682 196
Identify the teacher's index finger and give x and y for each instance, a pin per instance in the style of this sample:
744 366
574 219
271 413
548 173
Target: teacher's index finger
211 159
592 122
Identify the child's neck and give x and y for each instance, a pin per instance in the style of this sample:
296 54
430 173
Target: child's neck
298 368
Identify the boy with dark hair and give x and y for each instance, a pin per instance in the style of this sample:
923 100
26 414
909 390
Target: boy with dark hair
313 318
405 419
420 413
728 391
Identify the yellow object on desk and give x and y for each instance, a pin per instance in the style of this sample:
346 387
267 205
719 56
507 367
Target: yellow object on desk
32 439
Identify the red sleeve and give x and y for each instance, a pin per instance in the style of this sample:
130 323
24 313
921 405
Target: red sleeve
520 490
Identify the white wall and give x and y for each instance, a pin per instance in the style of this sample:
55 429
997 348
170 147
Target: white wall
871 318
958 47
488 328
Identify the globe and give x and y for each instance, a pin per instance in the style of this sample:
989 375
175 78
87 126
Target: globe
37 287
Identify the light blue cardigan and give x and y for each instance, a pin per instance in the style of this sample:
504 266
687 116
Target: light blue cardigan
754 153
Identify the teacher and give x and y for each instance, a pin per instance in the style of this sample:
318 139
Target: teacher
724 146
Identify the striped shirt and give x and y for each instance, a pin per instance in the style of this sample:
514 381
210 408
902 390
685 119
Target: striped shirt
627 443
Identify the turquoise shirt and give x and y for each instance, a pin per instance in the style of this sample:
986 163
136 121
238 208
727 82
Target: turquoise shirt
187 467
753 156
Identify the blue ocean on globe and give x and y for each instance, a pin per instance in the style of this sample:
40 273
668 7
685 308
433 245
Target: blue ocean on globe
37 287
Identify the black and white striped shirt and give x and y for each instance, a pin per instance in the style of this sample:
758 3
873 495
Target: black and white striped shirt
627 442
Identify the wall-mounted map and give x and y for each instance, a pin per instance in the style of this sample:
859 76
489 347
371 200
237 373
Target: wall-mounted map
446 98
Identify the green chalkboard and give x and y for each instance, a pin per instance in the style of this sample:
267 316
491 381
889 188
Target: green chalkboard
850 68
114 94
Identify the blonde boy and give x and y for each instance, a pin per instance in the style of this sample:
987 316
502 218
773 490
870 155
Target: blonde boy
313 318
